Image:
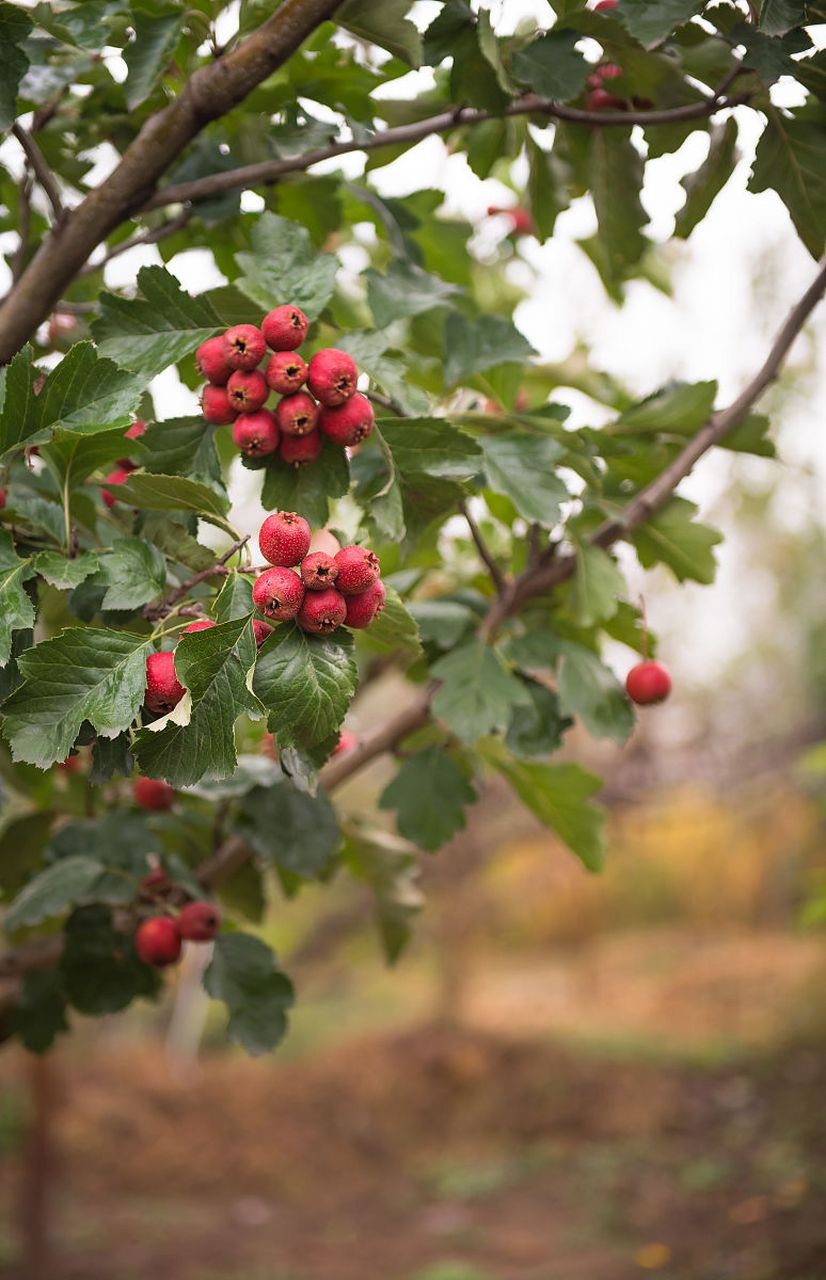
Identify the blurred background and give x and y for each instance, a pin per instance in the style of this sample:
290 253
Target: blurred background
565 1075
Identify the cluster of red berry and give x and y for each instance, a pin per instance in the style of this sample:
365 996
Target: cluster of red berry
159 938
125 465
320 591
237 390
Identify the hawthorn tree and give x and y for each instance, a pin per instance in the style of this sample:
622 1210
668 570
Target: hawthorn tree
493 520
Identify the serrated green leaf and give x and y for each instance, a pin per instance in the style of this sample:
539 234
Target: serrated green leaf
177 543
675 538
779 16
134 572
388 373
616 175
703 185
590 690
770 56
53 891
429 792
150 333
394 630
151 492
306 682
19 419
650 21
388 865
791 160
22 842
475 345
536 729
86 393
72 456
597 585
16 608
39 1013
234 600
245 975
443 622
522 466
386 25
547 190
84 673
63 573
295 831
101 973
285 266
156 35
477 690
405 290
680 408
15 25
180 446
559 795
307 488
430 446
552 66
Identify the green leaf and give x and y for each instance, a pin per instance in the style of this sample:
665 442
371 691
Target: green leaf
522 466
405 290
101 973
675 538
50 893
536 729
442 622
307 489
22 842
19 419
477 690
475 345
650 21
430 446
769 56
559 795
83 673
680 408
597 585
616 173
388 865
177 543
244 974
429 792
552 66
547 189
386 25
197 739
387 372
15 25
590 690
72 456
703 185
16 608
306 682
150 333
134 572
152 492
181 446
791 160
295 831
110 757
455 33
394 631
63 573
234 599
146 57
39 1013
86 393
779 16
285 266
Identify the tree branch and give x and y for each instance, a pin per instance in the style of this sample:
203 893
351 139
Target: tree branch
41 171
153 236
154 611
483 549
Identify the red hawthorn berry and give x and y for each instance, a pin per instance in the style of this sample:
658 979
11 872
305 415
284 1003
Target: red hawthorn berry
71 764
216 406
278 593
365 608
247 390
158 941
285 328
243 346
605 6
297 451
114 477
284 538
348 424
155 881
599 99
297 414
648 682
200 624
163 688
332 376
318 571
261 630
285 372
212 363
322 611
256 434
346 742
199 922
137 429
2 497
154 794
358 568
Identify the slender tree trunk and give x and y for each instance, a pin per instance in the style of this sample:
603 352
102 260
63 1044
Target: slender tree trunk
39 1169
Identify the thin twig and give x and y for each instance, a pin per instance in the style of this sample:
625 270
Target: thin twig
41 170
155 611
481 546
153 236
386 402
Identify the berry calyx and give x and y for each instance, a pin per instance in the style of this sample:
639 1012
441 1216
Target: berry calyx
158 941
115 477
358 568
297 451
332 376
200 624
216 406
199 922
278 593
365 608
648 682
153 794
212 363
261 630
163 688
285 372
243 346
322 611
247 390
284 538
297 414
256 434
346 742
285 328
348 424
318 571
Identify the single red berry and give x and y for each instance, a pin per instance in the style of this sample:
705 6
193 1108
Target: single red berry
71 764
285 328
163 688
346 742
648 682
608 71
350 423
521 221
365 608
216 406
332 376
284 538
158 941
156 881
599 99
296 451
256 434
2 497
285 372
358 568
243 346
278 593
605 6
114 477
201 624
137 429
152 793
261 630
199 921
318 571
212 363
297 414
322 611
247 390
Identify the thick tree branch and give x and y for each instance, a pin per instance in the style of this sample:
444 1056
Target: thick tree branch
211 92
41 170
